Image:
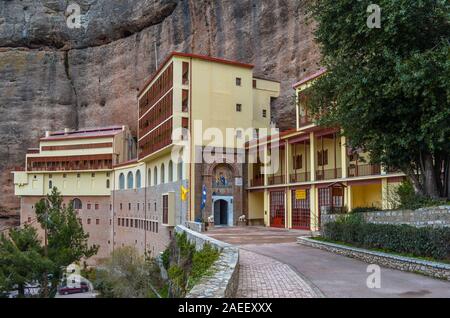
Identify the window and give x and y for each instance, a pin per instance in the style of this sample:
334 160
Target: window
180 171
77 205
118 222
93 175
127 223
130 180
239 133
129 206
264 113
238 81
108 184
88 221
163 174
121 181
50 176
155 176
165 206
97 206
78 175
170 171
149 177
64 175
89 206
138 179
121 206
138 206
254 83
322 158
238 107
97 221
108 174
298 162
50 184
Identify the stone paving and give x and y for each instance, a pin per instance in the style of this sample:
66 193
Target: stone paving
265 277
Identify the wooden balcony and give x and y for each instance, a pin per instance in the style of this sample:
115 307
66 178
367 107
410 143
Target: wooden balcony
277 180
364 170
328 174
257 181
300 177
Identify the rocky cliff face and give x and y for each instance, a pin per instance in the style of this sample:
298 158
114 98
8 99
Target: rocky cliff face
53 77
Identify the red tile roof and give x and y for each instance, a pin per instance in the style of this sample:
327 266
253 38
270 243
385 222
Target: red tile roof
84 133
310 78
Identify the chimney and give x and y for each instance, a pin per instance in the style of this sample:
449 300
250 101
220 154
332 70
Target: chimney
66 131
47 133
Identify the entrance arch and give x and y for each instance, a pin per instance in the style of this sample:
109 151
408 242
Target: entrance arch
223 210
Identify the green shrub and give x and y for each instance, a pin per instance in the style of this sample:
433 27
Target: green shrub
201 262
410 200
420 242
186 266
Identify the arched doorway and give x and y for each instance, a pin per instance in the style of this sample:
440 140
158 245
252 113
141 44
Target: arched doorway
223 210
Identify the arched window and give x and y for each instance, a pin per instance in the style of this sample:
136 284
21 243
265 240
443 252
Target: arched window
138 179
163 174
180 171
170 171
130 180
155 176
77 205
149 177
121 181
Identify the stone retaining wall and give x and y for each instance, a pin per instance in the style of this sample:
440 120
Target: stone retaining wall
407 264
223 282
433 216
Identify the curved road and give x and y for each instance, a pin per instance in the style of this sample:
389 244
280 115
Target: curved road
334 275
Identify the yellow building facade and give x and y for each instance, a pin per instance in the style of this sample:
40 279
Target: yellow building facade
317 172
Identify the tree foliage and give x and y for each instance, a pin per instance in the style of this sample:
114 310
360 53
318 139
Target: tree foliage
67 241
22 262
25 261
388 88
126 274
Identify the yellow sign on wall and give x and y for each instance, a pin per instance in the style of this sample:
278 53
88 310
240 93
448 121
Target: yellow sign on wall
300 194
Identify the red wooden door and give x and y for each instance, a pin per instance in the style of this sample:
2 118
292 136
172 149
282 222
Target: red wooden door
277 209
301 213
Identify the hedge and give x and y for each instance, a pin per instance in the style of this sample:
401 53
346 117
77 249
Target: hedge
404 239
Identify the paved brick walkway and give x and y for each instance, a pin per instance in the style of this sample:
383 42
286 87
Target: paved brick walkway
265 277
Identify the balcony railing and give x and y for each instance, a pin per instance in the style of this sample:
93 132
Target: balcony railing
328 174
364 170
257 182
300 177
276 180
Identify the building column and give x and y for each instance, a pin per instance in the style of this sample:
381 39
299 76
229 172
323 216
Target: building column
344 157
314 203
266 209
312 154
288 223
349 198
287 154
385 194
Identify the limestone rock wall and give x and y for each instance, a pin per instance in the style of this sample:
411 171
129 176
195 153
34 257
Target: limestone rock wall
52 77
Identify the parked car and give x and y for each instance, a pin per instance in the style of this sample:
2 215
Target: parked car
66 290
